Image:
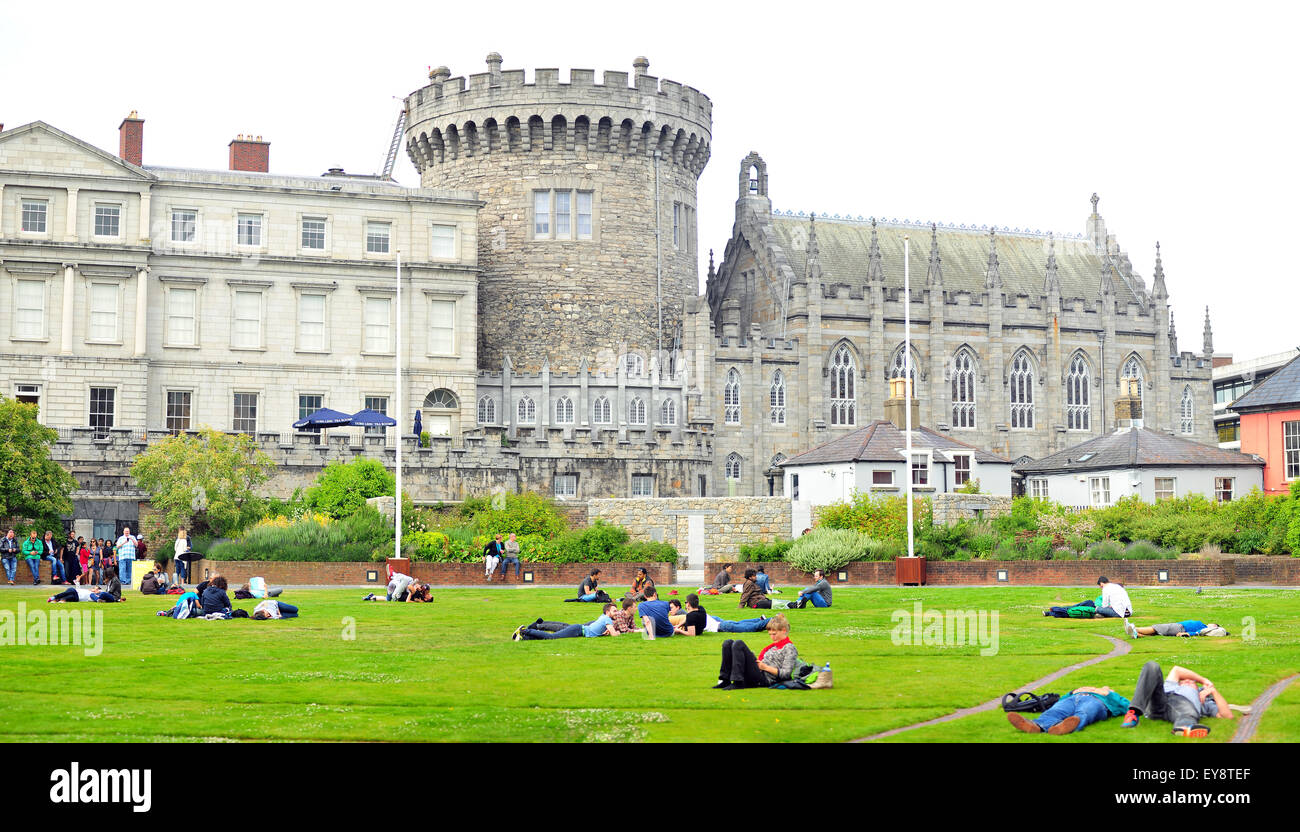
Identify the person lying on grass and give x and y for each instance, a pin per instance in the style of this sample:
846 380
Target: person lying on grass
697 621
1075 711
623 619
1185 629
775 663
602 626
403 588
654 615
1184 698
270 608
819 593
110 592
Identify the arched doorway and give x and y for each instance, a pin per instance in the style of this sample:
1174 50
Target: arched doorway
442 413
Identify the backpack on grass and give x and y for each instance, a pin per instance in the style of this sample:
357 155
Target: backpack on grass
1028 702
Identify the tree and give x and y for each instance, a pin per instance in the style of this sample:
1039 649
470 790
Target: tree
207 479
343 488
31 484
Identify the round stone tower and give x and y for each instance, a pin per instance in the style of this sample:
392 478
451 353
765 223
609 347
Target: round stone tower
576 262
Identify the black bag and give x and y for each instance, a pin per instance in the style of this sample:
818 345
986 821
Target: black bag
1028 702
239 614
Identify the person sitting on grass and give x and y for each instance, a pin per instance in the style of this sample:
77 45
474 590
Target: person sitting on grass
1185 629
697 621
589 589
1184 698
403 588
1075 711
654 615
643 580
819 593
723 581
1115 602
270 608
155 581
214 598
750 596
624 619
765 584
775 663
602 626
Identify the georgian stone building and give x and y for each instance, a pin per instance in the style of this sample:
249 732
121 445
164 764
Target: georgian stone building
1021 339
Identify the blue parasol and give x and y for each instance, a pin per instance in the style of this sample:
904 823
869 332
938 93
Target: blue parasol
368 418
324 418
418 425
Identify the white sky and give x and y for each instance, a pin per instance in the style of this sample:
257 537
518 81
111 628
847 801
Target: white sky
1181 116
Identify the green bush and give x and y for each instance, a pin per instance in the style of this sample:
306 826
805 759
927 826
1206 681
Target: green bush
522 514
828 549
366 535
764 552
343 488
1106 550
1145 550
882 518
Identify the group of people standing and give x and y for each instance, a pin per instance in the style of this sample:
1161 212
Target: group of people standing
74 560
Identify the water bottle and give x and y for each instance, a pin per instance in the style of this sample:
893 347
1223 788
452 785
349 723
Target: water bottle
827 668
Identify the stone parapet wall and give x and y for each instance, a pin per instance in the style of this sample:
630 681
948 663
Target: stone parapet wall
728 521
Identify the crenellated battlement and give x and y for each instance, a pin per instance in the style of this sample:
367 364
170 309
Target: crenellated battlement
496 112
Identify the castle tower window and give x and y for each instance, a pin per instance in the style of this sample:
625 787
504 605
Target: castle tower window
677 223
633 365
526 412
1022 392
643 485
584 215
379 404
733 466
668 412
636 411
541 214
487 411
600 411
564 411
245 413
563 214
1133 371
1188 412
557 213
731 398
963 391
1078 411
844 408
777 398
896 368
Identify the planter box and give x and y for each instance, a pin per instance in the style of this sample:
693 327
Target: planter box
909 571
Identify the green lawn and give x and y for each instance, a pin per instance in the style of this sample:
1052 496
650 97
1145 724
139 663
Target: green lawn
448 671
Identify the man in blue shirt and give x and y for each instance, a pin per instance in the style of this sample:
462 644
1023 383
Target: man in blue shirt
126 554
654 615
1175 628
604 625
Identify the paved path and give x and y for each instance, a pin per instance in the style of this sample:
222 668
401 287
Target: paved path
1246 728
1119 649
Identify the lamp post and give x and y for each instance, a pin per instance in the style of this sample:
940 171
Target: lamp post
397 408
907 382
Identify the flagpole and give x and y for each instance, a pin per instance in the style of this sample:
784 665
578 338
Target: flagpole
397 408
907 381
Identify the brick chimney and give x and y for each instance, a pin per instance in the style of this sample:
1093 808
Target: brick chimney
247 153
896 404
131 139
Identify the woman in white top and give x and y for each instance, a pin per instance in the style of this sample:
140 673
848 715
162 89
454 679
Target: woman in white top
182 546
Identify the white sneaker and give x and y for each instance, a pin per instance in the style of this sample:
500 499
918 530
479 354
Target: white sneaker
1130 629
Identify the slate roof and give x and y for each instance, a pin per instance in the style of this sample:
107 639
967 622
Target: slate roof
880 441
1136 448
844 246
1280 389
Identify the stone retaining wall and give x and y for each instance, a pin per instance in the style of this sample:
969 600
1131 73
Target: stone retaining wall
728 521
949 508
